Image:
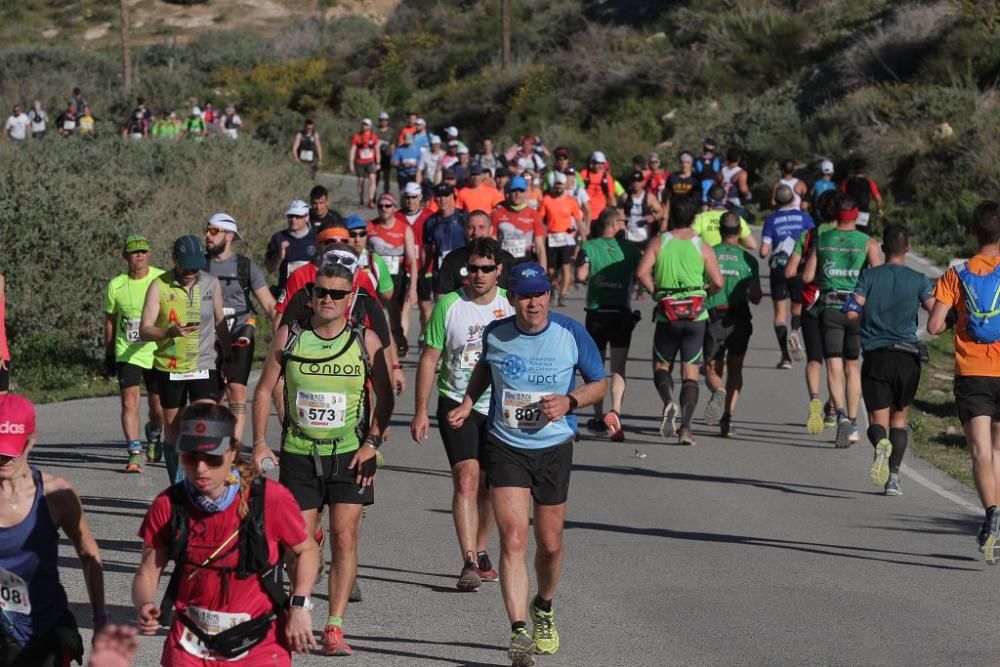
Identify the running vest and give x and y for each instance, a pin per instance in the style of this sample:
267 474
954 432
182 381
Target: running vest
791 183
982 303
307 147
389 243
33 598
601 189
679 270
732 192
325 391
195 351
637 230
840 256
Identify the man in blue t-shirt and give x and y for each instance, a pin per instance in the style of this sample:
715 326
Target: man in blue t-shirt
405 159
777 241
530 361
292 247
443 232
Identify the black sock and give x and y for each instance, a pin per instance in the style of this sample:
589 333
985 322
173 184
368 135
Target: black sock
689 400
781 331
796 322
876 433
664 385
543 605
518 625
898 437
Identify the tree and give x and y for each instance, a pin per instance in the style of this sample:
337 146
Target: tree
505 33
126 49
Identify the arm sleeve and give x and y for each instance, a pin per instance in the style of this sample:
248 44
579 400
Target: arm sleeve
581 257
946 290
589 361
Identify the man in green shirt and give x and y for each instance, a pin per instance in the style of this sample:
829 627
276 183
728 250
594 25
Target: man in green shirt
607 265
128 357
730 326
706 223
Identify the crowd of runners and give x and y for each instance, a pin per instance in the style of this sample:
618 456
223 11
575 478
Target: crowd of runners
486 248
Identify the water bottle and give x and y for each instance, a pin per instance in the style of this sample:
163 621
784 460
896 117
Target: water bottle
267 465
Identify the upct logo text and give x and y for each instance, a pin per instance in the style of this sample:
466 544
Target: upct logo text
9 428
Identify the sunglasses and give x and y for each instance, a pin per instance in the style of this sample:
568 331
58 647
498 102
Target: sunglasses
213 232
359 234
412 197
211 460
480 268
138 252
385 207
335 294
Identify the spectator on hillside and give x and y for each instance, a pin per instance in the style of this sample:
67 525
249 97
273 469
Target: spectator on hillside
67 122
194 126
39 121
77 99
167 126
306 147
86 122
135 127
17 125
231 122
488 159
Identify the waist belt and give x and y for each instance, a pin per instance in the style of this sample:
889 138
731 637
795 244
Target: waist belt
835 297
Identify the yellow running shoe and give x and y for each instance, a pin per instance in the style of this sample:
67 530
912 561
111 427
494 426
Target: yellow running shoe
521 650
880 465
814 423
544 632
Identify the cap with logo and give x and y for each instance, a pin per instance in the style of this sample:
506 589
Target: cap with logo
225 222
205 436
17 423
339 257
189 253
297 207
354 222
411 189
136 243
443 190
528 278
387 196
367 122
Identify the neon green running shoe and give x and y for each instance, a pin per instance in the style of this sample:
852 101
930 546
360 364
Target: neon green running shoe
880 465
521 650
814 422
544 632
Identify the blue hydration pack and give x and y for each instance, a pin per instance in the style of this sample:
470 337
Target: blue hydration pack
982 301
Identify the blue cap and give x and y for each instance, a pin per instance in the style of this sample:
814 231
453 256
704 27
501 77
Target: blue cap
354 222
528 278
517 183
190 253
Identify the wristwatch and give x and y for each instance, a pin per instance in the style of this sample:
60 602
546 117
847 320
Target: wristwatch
374 441
301 602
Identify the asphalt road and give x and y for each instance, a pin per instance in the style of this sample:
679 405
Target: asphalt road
772 548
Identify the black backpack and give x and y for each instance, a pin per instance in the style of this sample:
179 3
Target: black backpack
243 278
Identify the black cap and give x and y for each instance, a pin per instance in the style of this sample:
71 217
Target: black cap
729 224
476 170
443 190
636 177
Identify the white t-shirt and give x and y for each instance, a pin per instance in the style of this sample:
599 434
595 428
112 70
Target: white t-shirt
39 119
429 163
17 126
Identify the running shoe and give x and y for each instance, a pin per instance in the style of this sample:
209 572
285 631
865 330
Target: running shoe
668 420
991 546
333 641
795 347
614 426
784 364
880 464
814 422
984 531
597 426
403 347
892 486
854 435
686 438
830 420
726 429
716 406
134 464
485 569
355 592
544 632
154 451
522 649
843 438
469 581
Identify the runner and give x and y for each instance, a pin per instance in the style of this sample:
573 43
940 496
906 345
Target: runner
562 217
415 214
607 265
823 184
224 604
863 190
443 232
790 181
429 167
306 148
393 240
386 147
682 185
977 361
183 315
643 210
599 184
529 362
18 124
733 179
130 359
292 247
729 325
841 254
320 213
406 160
656 180
478 194
454 273
518 227
66 122
39 629
889 298
194 126
334 423
707 167
706 223
781 232
453 338
675 269
363 161
39 120
242 281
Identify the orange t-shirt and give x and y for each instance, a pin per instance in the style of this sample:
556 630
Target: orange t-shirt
971 358
484 198
366 142
560 213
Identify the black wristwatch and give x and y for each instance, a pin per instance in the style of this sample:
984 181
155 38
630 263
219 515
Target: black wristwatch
374 440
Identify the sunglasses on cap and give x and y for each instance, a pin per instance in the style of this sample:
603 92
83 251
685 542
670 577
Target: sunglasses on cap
480 268
335 294
211 460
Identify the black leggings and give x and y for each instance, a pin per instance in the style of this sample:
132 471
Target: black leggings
683 335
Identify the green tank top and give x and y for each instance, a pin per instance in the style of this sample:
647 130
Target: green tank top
324 393
679 270
195 351
840 256
739 268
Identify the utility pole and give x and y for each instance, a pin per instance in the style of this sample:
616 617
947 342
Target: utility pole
126 49
505 33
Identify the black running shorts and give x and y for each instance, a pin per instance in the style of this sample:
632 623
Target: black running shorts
889 379
240 363
544 471
336 484
785 288
812 336
465 442
977 396
682 336
178 393
556 257
727 332
841 336
610 328
130 375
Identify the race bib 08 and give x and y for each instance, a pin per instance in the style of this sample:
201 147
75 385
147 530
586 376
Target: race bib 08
13 593
366 154
523 410
211 623
321 409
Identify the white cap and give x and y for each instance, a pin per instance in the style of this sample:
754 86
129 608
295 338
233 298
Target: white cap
344 258
421 121
435 139
451 131
598 156
297 207
453 142
559 177
411 189
826 167
463 150
225 222
383 116
366 121
196 111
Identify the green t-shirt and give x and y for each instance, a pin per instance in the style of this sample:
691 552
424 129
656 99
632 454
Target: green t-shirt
840 256
739 270
893 294
612 268
456 328
383 279
166 128
124 299
706 225
680 268
800 243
